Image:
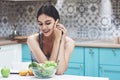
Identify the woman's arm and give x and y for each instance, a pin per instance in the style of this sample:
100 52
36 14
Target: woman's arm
66 48
33 43
55 50
56 44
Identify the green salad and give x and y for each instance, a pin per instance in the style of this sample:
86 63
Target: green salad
43 70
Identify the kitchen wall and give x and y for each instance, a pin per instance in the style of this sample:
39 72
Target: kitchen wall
92 19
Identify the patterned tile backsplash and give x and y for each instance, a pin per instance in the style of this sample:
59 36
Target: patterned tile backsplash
91 19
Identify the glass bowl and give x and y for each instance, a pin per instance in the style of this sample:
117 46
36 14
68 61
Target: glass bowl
47 72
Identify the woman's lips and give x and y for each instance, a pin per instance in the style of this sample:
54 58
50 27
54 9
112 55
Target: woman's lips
46 31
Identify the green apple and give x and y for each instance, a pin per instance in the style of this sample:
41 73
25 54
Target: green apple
5 71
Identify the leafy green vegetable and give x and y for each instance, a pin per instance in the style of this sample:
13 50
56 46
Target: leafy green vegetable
33 64
50 63
44 70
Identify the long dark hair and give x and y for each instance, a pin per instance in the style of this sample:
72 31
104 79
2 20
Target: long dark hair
50 10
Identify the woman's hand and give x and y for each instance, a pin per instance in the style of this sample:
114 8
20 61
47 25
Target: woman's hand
59 30
63 29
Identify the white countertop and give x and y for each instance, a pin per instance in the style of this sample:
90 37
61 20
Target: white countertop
24 66
56 77
97 43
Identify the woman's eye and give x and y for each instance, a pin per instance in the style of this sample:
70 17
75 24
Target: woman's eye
48 23
40 24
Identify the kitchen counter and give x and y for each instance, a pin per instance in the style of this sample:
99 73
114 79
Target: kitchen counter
56 77
97 43
16 40
78 42
7 42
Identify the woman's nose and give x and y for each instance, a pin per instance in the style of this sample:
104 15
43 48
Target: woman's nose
43 27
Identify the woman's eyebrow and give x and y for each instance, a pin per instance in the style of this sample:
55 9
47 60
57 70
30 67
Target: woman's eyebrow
45 21
39 21
48 20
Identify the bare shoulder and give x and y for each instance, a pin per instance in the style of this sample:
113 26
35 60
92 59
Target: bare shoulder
70 41
33 36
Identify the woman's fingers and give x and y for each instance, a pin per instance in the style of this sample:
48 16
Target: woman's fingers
58 26
61 27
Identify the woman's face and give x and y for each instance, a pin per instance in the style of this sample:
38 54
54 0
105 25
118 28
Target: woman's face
46 24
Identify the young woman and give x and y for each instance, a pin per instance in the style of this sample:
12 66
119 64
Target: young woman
52 43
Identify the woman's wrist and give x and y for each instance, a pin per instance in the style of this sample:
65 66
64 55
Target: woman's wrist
57 39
